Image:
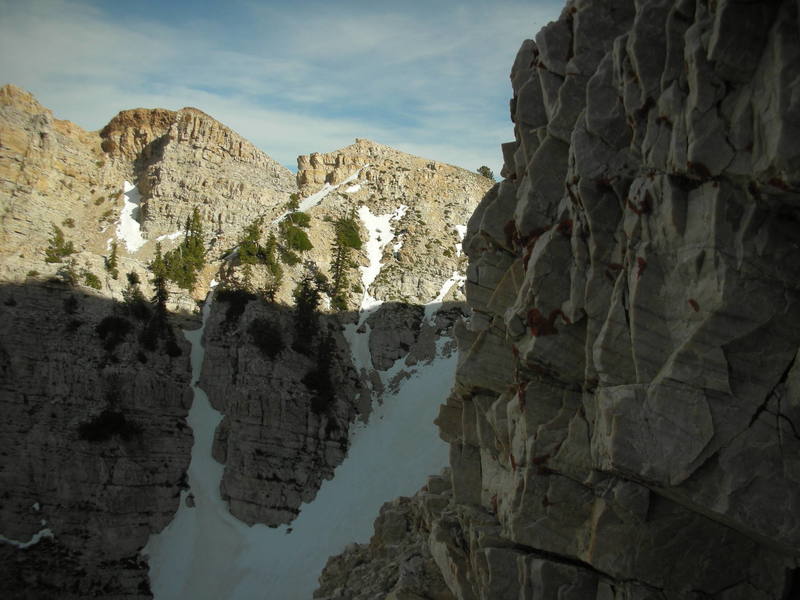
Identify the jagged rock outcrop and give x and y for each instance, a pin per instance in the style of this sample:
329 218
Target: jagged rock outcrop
625 418
53 173
282 432
425 250
50 171
397 563
201 163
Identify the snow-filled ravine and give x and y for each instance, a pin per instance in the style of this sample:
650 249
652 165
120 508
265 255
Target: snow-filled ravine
128 227
206 553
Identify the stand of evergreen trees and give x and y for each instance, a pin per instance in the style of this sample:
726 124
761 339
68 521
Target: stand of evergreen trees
182 264
346 238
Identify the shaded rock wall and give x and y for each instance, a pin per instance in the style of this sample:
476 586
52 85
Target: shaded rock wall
282 433
626 413
94 444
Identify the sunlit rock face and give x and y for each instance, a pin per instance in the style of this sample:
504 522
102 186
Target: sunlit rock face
627 405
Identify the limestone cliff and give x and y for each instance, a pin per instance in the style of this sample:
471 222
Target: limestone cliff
94 376
94 442
438 199
411 213
626 414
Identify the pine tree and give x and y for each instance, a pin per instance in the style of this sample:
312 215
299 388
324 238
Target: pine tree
159 269
134 298
339 275
306 297
58 248
486 172
187 260
347 233
250 251
291 229
346 237
112 261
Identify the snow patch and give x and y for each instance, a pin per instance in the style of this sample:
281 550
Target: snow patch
35 539
435 304
315 198
129 230
171 236
359 344
461 230
353 189
379 228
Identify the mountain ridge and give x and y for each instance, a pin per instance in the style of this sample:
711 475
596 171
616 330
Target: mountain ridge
116 363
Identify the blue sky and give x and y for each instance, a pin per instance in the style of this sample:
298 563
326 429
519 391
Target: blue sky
430 78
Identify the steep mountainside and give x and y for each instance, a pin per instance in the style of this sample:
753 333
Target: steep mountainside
94 376
627 405
276 451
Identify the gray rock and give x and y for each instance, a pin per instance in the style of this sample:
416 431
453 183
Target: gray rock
625 417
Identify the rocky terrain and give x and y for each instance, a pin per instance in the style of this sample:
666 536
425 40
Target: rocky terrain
626 413
94 442
94 377
276 451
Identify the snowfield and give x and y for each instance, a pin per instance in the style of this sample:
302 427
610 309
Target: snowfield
129 230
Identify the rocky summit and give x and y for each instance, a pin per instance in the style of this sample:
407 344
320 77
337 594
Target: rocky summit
333 287
625 418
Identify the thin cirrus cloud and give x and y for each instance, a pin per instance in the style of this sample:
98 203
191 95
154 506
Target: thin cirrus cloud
429 78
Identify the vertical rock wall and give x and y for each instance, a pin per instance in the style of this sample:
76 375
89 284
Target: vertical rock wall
626 414
629 391
94 443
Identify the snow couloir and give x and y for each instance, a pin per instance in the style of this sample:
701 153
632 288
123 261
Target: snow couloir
206 553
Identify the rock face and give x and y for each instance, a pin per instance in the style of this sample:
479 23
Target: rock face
397 563
94 383
201 163
280 436
425 250
276 451
52 173
626 414
94 442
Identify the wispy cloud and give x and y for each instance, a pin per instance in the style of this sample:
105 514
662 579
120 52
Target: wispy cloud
426 77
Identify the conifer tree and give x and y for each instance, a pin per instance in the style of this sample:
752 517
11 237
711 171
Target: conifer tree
306 297
183 263
486 172
250 250
58 248
159 269
112 261
346 237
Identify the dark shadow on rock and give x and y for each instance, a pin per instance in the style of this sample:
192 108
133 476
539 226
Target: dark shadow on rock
95 444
